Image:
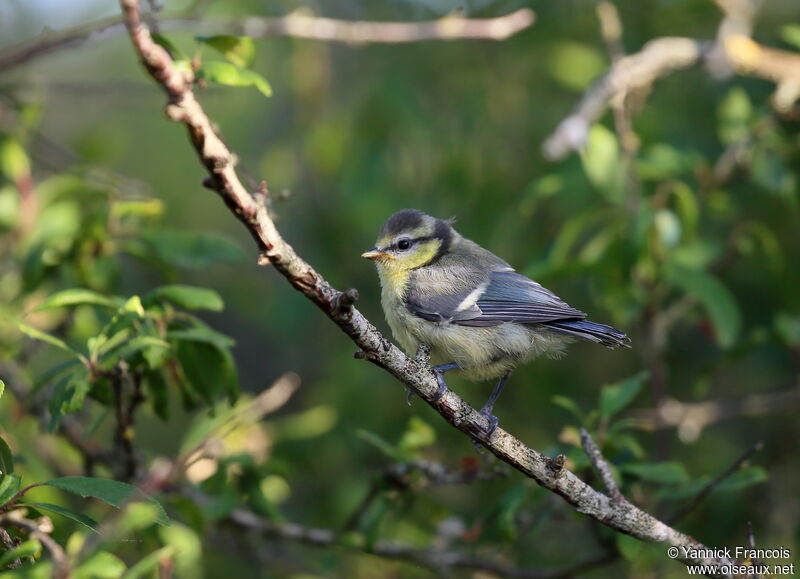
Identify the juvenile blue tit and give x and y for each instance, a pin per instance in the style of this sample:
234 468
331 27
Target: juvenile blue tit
476 313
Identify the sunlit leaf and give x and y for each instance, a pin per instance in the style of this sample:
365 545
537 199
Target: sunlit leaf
575 65
112 492
9 486
148 564
31 548
240 50
189 297
790 33
14 161
600 161
74 297
101 565
417 435
230 75
735 113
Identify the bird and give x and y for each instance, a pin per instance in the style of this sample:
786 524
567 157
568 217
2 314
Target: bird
479 317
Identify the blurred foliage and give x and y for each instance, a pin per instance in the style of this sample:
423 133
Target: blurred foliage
115 265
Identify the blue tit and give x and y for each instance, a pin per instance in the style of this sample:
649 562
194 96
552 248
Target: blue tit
478 316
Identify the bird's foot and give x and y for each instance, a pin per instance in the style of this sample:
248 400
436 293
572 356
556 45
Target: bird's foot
439 373
409 395
442 385
493 421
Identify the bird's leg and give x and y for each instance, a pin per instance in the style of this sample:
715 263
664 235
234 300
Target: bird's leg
439 371
487 408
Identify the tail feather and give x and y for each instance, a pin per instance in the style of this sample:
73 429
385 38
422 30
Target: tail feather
586 330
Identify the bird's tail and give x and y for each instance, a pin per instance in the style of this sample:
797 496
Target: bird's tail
586 330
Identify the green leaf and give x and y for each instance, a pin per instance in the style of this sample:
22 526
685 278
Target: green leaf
87 522
24 550
175 52
735 112
227 74
191 250
74 297
2 388
14 161
147 565
209 369
687 207
743 478
6 458
202 334
716 299
418 435
134 346
601 161
569 405
112 492
659 472
189 297
629 547
9 486
240 50
45 337
615 397
381 444
790 33
102 565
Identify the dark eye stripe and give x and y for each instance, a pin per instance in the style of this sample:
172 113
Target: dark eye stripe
413 241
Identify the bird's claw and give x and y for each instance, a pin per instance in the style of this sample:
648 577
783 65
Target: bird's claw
442 390
493 421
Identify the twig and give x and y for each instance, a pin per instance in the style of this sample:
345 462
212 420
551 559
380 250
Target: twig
295 25
434 559
414 373
601 466
611 28
706 490
40 530
662 56
658 58
690 418
9 544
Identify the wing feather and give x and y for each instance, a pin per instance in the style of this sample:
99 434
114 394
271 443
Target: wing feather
508 297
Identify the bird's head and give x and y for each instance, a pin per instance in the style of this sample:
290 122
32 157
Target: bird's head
410 239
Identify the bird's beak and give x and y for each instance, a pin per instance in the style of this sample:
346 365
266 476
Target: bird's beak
377 255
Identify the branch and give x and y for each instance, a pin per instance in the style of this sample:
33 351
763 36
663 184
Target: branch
690 418
414 373
295 25
9 544
704 492
40 529
601 466
658 58
434 559
733 50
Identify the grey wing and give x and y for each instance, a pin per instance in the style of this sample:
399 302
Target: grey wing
505 297
511 297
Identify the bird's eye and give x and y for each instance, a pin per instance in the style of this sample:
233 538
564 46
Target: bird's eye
403 244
